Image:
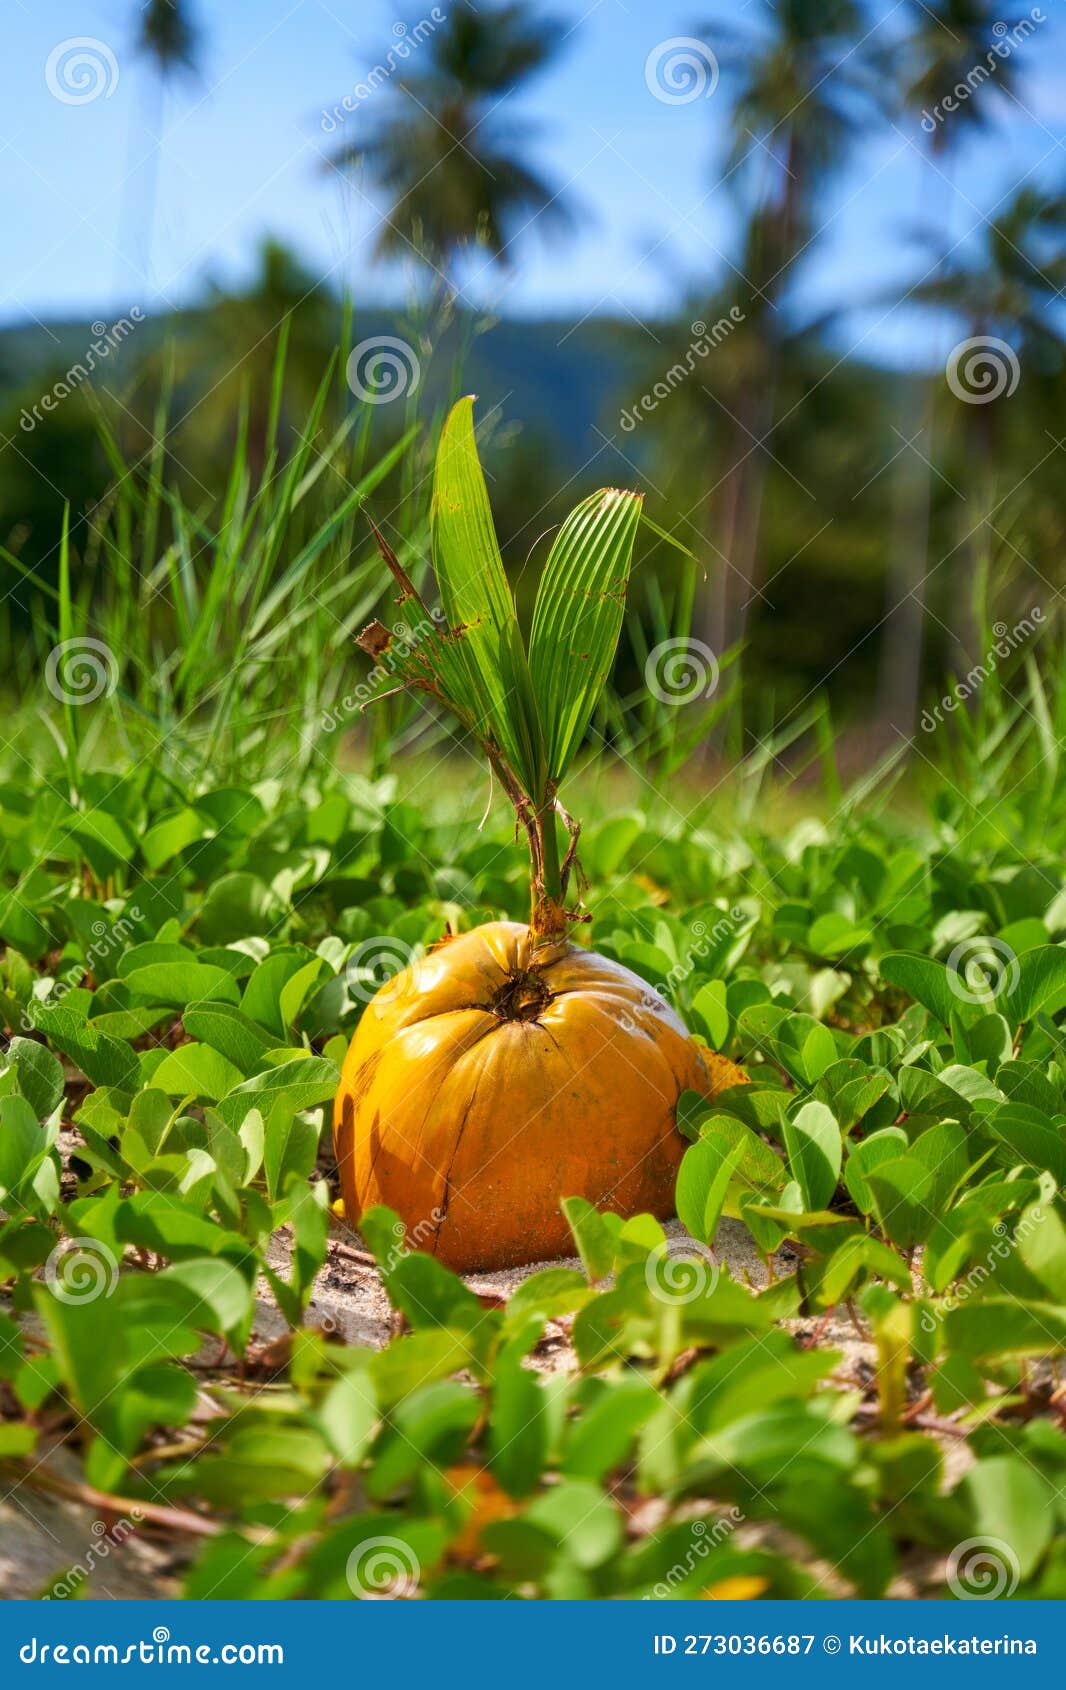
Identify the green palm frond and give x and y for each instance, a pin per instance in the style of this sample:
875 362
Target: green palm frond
577 619
478 602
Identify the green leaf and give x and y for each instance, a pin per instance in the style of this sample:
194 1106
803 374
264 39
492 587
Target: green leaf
988 1328
833 935
710 1013
885 1146
603 1436
181 983
213 1294
702 1182
103 1060
196 1071
478 603
1035 982
236 905
903 1196
349 1416
800 1043
232 1033
296 1085
925 980
518 1430
814 1146
577 618
171 834
40 1075
22 1145
595 1245
1031 1138
581 1518
1013 1505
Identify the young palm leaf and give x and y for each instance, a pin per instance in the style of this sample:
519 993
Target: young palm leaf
577 618
478 603
528 714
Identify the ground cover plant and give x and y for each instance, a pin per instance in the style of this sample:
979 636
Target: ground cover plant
197 909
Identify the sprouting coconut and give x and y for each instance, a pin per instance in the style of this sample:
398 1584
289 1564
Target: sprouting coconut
510 1068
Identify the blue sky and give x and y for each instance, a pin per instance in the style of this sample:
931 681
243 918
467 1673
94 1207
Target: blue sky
243 147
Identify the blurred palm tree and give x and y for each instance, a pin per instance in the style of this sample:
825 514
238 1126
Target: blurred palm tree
1006 290
167 39
453 169
168 36
802 83
950 43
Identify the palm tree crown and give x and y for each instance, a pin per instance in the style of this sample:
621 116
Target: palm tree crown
435 143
